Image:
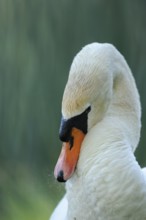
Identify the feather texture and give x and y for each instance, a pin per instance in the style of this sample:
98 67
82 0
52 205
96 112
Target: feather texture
108 183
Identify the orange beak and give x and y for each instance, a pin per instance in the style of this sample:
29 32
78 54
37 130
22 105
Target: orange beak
69 156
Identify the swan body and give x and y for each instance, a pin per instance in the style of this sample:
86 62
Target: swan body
108 183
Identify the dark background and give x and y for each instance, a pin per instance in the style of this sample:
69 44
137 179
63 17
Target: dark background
38 40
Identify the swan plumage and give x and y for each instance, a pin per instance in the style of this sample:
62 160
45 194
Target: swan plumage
108 183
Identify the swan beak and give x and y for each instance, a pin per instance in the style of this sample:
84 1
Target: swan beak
69 155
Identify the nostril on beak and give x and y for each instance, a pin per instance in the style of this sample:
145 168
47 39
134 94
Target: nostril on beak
60 176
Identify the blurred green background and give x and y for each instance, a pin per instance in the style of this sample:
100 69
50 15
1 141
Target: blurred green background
38 40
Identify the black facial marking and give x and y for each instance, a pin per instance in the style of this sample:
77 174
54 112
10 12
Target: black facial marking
79 121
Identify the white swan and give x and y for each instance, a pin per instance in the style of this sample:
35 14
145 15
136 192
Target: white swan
101 113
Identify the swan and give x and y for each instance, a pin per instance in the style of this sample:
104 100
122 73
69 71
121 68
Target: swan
100 130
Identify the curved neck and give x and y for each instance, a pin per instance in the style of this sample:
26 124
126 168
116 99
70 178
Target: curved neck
119 99
125 104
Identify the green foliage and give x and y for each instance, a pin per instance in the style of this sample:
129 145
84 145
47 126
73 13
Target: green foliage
26 196
35 205
38 40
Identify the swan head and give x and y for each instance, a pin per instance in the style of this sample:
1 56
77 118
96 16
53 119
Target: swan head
86 100
88 73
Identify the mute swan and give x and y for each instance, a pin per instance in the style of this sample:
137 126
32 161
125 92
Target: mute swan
100 130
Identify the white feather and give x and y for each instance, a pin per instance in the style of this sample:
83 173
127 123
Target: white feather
108 183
